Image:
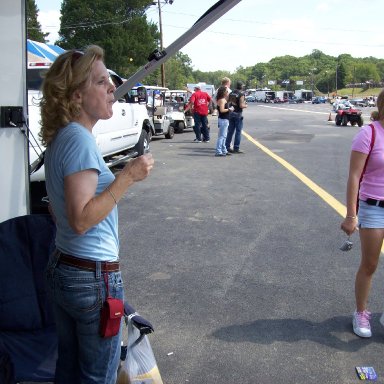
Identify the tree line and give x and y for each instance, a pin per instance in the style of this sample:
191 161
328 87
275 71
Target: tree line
121 27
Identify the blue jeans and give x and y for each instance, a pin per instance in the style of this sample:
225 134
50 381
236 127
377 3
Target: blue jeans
77 295
201 126
235 126
222 135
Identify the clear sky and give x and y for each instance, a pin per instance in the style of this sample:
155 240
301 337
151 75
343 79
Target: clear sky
255 31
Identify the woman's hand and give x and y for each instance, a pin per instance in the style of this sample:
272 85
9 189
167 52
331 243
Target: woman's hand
138 169
349 225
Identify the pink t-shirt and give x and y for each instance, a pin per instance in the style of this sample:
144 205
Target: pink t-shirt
372 185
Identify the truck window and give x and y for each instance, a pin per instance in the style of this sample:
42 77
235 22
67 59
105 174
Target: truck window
35 78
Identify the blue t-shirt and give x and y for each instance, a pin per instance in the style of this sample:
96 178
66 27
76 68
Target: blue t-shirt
74 149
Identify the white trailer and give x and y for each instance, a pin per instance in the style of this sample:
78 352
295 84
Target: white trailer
304 94
284 95
14 185
265 95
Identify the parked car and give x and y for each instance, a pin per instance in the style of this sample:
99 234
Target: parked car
295 100
250 98
319 100
358 102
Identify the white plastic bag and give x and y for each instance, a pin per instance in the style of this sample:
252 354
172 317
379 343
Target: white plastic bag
139 366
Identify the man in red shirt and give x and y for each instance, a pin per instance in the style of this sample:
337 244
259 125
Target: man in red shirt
199 102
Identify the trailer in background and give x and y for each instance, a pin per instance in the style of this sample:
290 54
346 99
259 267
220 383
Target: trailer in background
284 96
265 95
304 94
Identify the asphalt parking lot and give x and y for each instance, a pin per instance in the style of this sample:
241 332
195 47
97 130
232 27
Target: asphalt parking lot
236 260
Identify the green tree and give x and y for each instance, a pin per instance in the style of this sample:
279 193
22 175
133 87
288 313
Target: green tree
119 26
34 31
366 72
178 71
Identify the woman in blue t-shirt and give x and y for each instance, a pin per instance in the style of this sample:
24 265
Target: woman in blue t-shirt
83 195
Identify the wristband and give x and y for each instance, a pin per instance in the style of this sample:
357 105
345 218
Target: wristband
112 194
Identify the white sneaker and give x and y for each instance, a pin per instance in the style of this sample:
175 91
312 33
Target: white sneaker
361 325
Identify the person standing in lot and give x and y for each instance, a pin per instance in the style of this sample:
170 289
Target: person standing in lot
222 121
236 118
366 160
226 82
83 195
199 102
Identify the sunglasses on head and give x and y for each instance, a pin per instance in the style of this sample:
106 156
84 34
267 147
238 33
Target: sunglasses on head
75 57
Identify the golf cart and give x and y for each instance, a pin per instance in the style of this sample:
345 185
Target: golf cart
176 101
159 111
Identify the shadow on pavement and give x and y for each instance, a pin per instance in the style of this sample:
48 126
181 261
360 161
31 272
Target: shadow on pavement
330 332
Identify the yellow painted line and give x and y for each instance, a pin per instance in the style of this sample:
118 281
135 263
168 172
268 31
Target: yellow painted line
329 199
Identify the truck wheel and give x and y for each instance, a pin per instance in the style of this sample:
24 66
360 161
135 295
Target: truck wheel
344 120
143 144
170 133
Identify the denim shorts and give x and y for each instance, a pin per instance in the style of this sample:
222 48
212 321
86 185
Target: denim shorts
370 216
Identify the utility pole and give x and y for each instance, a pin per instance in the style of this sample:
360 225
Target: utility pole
336 77
162 67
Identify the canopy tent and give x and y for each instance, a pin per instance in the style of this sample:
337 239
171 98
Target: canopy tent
42 52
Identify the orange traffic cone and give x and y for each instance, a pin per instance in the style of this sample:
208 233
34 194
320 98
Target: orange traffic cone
330 117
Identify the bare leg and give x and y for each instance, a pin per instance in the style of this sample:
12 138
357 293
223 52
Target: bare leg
371 241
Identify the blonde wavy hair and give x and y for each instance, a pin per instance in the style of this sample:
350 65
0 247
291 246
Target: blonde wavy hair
69 72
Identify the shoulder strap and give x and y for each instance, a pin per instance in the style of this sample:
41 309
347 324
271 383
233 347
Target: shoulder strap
366 161
370 148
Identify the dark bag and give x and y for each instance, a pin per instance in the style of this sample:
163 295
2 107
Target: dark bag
110 319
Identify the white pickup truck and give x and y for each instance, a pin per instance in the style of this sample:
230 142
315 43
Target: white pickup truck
125 135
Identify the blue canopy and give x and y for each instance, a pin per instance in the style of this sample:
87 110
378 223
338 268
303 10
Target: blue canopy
47 52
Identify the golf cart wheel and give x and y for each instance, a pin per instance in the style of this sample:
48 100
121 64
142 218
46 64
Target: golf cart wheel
180 127
171 132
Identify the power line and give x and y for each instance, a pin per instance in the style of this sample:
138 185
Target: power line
284 39
274 24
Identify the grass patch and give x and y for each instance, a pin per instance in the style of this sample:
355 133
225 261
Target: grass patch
359 92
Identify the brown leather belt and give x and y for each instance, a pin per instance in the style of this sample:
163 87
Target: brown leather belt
89 265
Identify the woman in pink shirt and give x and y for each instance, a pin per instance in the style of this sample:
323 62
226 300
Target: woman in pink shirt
370 210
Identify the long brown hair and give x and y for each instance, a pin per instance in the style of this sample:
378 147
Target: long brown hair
221 92
69 72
